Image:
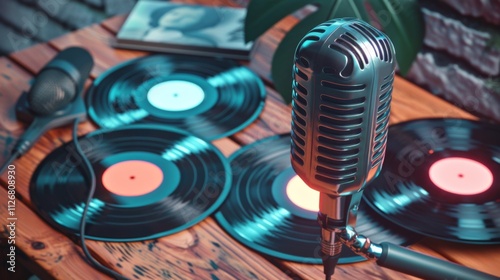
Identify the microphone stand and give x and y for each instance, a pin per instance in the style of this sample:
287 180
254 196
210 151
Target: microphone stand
407 261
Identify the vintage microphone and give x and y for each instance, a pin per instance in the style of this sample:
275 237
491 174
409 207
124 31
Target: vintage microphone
342 86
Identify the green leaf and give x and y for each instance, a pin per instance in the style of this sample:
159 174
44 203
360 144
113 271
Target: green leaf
263 14
283 58
403 22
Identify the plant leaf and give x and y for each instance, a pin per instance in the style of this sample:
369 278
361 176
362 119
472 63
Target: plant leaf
348 8
283 58
403 22
263 14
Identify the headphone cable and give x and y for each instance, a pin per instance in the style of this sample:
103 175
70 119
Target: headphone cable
15 154
90 177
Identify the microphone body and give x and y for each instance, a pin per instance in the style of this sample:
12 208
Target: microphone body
342 85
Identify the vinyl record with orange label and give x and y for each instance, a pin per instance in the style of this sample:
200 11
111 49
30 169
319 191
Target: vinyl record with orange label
151 181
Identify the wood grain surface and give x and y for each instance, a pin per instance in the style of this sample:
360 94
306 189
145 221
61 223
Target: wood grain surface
204 251
53 251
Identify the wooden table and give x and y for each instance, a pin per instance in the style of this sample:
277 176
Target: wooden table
204 251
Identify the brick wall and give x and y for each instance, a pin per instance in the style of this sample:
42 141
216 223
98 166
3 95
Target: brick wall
460 60
27 22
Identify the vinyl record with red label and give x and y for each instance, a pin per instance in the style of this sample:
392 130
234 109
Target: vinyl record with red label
440 179
271 210
209 97
151 181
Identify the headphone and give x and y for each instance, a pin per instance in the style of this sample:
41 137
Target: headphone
54 99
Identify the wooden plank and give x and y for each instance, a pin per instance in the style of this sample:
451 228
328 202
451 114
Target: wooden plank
411 102
54 252
114 24
481 257
97 41
34 58
201 252
13 81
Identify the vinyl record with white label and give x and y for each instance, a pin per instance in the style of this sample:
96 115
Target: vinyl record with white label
209 97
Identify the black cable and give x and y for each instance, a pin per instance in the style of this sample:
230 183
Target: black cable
329 264
15 154
92 180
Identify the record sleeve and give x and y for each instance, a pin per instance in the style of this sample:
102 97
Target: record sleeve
185 29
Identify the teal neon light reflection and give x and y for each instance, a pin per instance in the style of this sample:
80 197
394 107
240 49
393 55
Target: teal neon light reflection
70 217
128 117
233 76
391 204
267 223
185 146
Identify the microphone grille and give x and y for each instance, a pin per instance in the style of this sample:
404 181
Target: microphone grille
52 91
342 85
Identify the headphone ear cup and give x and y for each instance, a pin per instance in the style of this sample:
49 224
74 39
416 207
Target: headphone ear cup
54 98
39 124
52 91
75 109
23 112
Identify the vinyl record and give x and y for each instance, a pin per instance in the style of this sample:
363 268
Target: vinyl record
211 98
440 179
151 181
272 211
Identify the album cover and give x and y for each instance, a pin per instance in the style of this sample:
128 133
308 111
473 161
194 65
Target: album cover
184 28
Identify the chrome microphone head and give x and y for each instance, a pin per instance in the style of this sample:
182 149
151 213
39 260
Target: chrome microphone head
342 85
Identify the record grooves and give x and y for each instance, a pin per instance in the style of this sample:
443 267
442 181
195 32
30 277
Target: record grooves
440 179
209 97
152 181
259 213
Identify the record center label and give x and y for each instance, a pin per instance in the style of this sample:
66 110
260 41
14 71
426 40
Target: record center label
132 178
302 195
461 176
175 95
